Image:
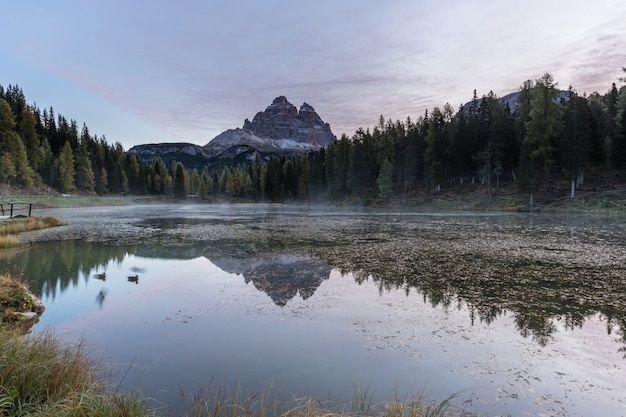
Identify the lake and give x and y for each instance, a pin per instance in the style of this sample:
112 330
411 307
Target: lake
520 314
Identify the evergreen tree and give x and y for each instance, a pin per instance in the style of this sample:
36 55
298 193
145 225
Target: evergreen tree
619 136
272 180
195 183
255 175
7 125
384 182
7 168
85 177
291 178
65 167
542 127
574 139
437 143
304 177
102 182
25 175
337 161
207 181
489 158
179 181
203 189
168 185
28 133
358 167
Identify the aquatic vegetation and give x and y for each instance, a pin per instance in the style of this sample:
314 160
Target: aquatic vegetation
215 401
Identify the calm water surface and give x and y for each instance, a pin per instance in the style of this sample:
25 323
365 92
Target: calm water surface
246 307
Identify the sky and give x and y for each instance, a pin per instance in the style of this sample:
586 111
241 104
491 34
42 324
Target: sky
148 71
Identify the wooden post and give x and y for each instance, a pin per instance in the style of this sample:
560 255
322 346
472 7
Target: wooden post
11 210
30 208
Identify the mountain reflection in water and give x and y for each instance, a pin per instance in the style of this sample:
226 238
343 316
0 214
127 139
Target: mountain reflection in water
54 266
540 305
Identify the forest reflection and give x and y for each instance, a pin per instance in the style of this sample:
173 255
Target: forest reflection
537 301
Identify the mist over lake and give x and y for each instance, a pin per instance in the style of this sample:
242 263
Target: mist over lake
520 314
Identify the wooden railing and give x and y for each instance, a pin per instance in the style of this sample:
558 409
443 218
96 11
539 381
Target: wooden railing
14 207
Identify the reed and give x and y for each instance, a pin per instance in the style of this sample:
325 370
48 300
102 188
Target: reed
218 402
42 376
8 241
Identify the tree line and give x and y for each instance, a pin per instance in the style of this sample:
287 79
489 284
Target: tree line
547 135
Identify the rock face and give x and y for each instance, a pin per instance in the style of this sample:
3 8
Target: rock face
280 130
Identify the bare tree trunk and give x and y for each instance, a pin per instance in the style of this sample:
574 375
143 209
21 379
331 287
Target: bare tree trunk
572 192
531 202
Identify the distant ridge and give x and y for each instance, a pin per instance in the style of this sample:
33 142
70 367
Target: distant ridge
511 100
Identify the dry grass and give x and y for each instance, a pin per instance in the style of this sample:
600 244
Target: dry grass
217 402
9 228
8 241
24 224
41 376
13 295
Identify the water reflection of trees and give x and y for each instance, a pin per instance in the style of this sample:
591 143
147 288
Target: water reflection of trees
539 294
49 267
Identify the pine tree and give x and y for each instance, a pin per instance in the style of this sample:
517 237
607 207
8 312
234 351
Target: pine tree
619 136
384 182
195 183
304 177
575 139
85 178
203 190
65 167
489 158
179 181
7 168
26 177
7 125
28 133
437 143
542 127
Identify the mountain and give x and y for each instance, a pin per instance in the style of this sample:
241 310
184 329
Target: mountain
511 100
280 130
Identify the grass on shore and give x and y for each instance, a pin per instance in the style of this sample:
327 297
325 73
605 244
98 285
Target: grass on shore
13 297
42 376
9 228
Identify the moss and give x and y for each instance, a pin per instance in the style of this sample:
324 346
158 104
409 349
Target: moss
15 300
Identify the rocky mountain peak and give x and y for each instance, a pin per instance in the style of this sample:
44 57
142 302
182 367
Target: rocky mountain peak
281 129
281 120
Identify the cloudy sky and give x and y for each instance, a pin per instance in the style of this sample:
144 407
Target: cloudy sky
145 71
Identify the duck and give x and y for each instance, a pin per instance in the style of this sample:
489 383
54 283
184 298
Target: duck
134 278
102 276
